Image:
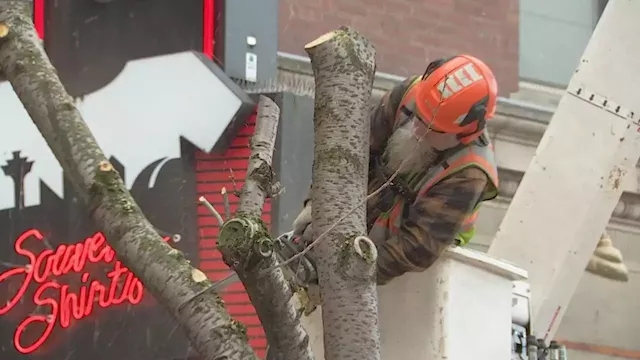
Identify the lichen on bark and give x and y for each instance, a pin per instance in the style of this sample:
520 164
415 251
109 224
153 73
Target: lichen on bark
343 63
245 241
166 275
107 189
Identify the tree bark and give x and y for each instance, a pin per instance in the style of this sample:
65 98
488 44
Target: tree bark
165 272
247 248
343 63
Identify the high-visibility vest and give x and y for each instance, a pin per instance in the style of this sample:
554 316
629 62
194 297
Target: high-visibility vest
478 154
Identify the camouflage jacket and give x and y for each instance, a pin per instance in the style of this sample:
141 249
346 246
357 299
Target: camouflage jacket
429 224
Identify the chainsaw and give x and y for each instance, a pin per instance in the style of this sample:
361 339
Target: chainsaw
301 272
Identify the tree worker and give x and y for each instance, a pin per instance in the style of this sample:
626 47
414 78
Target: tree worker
430 130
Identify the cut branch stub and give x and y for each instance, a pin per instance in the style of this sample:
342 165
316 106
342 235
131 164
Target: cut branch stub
357 258
107 184
4 30
245 241
370 253
348 44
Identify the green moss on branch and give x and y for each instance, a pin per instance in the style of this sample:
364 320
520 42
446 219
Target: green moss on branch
244 241
108 189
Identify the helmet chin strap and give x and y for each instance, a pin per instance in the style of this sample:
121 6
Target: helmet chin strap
477 113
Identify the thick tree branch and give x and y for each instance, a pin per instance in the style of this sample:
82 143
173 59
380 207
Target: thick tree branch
165 272
246 247
343 63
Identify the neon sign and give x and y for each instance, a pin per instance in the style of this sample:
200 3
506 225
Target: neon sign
123 286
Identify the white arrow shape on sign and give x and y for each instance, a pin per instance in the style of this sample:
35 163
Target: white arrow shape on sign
138 118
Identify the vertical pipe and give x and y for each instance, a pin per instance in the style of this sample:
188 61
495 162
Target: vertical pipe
38 17
532 348
563 352
208 27
554 350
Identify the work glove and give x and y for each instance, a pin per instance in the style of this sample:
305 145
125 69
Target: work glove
303 230
303 220
302 236
607 261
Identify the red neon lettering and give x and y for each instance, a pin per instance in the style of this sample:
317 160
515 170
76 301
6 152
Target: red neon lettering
66 259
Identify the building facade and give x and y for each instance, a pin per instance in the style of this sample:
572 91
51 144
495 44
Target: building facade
524 42
533 47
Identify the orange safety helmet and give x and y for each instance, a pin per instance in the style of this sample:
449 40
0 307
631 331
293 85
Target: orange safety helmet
457 95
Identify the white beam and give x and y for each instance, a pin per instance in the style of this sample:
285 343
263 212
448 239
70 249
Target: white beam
574 182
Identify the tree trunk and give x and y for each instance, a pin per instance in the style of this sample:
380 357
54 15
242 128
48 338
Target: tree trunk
247 248
343 63
165 272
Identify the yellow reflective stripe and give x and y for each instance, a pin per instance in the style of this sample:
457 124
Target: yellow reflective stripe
463 238
468 229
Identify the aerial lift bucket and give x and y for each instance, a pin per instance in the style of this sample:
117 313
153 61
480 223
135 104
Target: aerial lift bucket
463 307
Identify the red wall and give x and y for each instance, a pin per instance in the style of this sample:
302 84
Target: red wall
409 33
213 172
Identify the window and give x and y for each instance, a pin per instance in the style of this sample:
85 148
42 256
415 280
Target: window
553 36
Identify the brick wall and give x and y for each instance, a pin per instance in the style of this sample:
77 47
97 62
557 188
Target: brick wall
410 33
213 172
